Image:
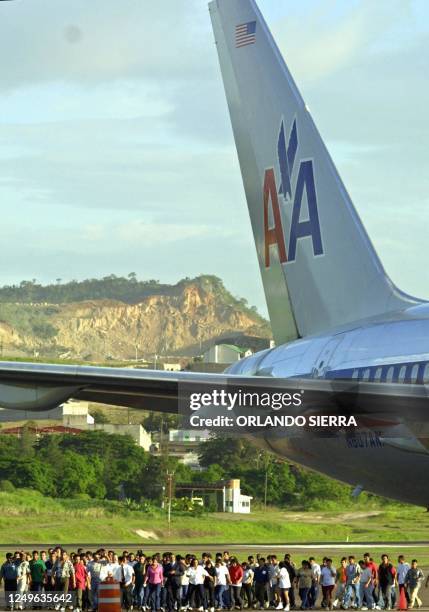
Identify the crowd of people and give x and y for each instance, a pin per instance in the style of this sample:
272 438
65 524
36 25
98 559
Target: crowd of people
173 583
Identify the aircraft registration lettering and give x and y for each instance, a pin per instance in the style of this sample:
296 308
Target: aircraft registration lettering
365 439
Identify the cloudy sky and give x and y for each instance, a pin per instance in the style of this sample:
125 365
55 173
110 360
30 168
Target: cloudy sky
116 152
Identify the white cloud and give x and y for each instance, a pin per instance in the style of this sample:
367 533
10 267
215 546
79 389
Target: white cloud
324 41
114 125
121 99
102 40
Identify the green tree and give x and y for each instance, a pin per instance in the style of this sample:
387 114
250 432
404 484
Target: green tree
48 450
157 422
78 475
9 447
277 475
317 489
32 474
228 452
99 416
213 473
121 458
152 480
182 473
27 440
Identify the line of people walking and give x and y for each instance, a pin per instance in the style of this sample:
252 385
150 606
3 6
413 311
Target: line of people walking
175 583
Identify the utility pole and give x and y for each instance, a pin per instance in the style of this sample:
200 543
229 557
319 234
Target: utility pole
267 465
266 486
163 498
170 495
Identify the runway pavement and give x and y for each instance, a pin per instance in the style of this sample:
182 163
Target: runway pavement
424 608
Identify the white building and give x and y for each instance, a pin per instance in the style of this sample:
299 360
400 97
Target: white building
188 435
172 367
72 413
75 414
137 432
225 353
234 500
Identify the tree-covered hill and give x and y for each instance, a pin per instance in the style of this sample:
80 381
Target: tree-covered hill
124 318
128 289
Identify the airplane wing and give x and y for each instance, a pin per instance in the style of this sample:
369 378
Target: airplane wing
39 386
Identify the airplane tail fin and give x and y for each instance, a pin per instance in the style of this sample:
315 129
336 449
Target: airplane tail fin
318 266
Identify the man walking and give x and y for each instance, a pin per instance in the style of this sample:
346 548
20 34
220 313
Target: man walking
174 583
413 582
315 582
352 584
366 586
401 572
38 572
9 575
261 579
24 576
386 580
290 566
94 569
125 574
327 579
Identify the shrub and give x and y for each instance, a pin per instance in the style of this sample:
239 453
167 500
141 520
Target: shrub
7 486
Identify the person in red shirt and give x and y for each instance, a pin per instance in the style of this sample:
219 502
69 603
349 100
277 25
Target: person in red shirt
82 580
236 577
341 580
370 563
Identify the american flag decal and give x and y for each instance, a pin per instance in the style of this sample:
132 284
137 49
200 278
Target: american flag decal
245 34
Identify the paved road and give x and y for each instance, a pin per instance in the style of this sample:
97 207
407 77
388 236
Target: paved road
424 608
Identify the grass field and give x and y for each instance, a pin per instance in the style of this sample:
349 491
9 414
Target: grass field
28 517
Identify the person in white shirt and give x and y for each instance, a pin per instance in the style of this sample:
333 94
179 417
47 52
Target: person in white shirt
328 575
95 569
246 585
222 581
284 586
24 575
197 574
184 583
273 587
124 574
110 569
314 591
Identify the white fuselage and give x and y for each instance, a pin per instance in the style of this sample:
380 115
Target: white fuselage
392 461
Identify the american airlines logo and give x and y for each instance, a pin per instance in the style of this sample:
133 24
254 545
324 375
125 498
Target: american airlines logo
309 227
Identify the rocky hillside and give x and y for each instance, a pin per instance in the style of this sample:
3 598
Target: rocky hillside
143 317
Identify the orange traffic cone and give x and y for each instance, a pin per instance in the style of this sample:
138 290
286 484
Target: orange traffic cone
402 605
